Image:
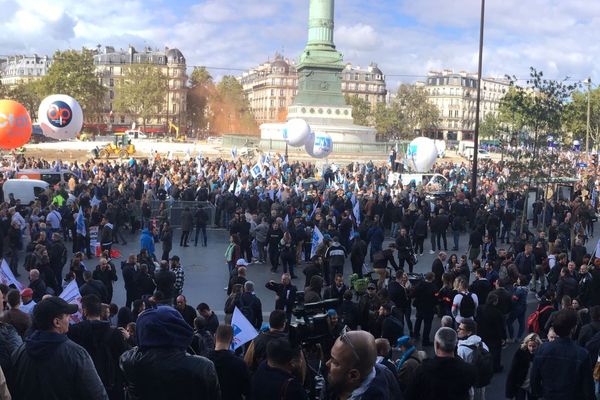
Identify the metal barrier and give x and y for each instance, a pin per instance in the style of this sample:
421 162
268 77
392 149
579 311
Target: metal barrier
176 207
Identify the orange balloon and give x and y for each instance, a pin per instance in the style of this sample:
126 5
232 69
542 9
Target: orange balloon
15 125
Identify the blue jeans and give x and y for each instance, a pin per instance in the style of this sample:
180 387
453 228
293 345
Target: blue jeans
395 228
198 229
519 316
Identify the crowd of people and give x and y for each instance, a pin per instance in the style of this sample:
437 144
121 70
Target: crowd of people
365 331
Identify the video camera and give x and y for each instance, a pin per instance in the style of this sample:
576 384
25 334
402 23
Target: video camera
310 326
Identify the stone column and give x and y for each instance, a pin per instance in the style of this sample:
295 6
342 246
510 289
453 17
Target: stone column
320 23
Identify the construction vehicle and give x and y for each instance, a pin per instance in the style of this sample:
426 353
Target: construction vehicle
178 138
121 147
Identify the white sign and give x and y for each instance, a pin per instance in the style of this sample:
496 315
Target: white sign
243 331
72 296
8 278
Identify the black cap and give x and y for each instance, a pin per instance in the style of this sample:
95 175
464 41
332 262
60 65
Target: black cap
46 310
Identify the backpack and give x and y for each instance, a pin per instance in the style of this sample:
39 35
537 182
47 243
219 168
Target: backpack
483 361
247 310
467 305
533 321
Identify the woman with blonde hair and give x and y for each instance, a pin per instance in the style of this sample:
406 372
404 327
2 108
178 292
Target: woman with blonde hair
517 382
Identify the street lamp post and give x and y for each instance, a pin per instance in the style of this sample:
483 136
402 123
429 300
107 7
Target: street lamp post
477 106
587 130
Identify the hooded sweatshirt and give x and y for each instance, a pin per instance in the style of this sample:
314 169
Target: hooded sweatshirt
147 241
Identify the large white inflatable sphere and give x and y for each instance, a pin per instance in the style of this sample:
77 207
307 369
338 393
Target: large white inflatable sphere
60 117
440 145
296 132
319 145
421 154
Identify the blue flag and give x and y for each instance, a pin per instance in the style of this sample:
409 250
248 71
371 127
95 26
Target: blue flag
356 212
80 223
317 239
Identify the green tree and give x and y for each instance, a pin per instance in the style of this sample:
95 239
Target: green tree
575 117
361 109
141 92
387 121
415 111
538 108
72 73
490 127
202 87
27 94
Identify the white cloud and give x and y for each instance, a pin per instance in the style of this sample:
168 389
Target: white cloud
404 37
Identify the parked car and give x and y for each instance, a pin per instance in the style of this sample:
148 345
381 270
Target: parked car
136 134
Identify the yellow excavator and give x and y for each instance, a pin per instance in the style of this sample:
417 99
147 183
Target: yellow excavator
120 147
178 138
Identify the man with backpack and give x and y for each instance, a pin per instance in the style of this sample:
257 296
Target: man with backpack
250 305
474 351
465 303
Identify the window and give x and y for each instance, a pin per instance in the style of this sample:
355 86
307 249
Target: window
174 108
272 92
122 119
111 83
456 113
281 92
111 94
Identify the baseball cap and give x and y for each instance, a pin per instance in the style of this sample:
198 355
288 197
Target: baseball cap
27 292
402 341
241 261
371 286
52 307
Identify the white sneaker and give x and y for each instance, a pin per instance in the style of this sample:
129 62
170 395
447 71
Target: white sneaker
421 254
431 252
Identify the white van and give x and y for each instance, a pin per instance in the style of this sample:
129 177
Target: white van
24 189
431 182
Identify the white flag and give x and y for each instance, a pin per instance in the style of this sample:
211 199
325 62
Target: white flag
256 170
317 239
71 295
356 211
243 331
8 278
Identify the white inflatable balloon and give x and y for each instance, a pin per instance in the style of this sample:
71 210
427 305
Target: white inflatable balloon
60 117
421 154
296 132
319 145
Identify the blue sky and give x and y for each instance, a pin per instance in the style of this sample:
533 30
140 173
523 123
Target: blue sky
406 38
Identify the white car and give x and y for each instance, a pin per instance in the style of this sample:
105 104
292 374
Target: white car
136 134
214 140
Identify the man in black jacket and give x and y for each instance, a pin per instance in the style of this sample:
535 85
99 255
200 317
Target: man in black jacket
103 343
257 350
159 368
405 250
286 294
445 376
165 281
234 377
93 287
49 365
425 302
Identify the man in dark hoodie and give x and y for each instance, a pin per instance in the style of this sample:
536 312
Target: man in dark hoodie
103 343
234 378
49 365
159 368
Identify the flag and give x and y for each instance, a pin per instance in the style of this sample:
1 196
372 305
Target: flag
317 239
286 221
356 212
279 194
351 233
243 331
234 152
80 223
8 278
256 170
282 160
353 199
272 194
238 187
72 296
167 184
221 172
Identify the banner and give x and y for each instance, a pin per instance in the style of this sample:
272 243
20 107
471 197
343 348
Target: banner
71 295
94 239
317 239
8 278
243 331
